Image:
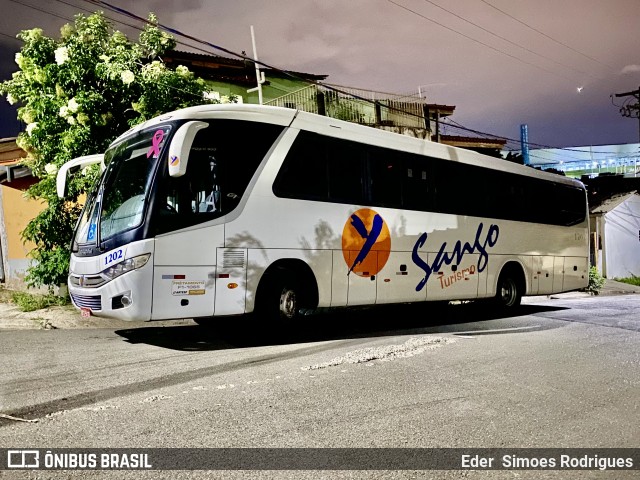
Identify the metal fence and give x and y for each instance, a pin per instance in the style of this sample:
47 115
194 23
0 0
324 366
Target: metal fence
357 105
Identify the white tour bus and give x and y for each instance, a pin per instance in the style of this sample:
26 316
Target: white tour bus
229 209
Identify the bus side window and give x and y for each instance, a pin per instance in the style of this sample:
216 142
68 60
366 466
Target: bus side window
385 171
304 172
417 186
346 163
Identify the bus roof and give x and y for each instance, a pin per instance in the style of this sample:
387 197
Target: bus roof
347 130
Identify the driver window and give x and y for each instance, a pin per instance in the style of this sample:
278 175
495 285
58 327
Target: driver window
223 159
195 197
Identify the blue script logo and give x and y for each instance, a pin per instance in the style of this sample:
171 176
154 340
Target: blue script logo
458 253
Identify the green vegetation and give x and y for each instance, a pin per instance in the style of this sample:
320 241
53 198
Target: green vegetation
76 95
29 302
596 281
632 280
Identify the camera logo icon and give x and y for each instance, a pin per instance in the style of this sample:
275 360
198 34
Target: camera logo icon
23 459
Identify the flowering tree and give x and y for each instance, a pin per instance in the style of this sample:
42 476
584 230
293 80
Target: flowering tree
77 94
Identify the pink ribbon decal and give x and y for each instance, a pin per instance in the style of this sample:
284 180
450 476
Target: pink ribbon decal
155 145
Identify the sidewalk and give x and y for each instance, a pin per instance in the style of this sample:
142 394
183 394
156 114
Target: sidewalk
611 287
11 318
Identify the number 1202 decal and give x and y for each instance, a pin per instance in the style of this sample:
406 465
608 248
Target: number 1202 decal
114 256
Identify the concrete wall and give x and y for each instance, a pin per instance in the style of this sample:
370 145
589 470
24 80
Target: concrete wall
622 239
15 212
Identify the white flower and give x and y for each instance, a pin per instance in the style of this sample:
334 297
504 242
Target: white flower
51 169
31 127
104 58
11 99
62 55
64 111
153 70
33 34
182 70
127 77
71 120
73 105
19 59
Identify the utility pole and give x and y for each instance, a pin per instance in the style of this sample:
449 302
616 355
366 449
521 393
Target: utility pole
259 75
631 111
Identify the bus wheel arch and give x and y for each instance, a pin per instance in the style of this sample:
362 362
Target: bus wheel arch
286 287
511 285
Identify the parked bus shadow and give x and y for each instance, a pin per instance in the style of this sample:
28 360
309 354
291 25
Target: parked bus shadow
386 320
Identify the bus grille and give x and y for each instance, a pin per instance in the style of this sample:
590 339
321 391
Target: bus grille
93 302
87 281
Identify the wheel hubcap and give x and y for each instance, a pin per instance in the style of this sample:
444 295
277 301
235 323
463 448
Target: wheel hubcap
288 303
508 292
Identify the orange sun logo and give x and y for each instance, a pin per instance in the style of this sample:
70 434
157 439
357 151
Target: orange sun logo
366 242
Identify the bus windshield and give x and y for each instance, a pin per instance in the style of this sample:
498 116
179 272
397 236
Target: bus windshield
119 203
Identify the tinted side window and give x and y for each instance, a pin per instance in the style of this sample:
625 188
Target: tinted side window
385 177
418 183
304 172
346 164
460 189
322 168
571 202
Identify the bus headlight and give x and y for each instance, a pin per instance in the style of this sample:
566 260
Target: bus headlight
128 265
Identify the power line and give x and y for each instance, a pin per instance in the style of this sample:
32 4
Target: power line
9 36
40 10
130 25
479 41
546 36
68 19
293 75
454 124
288 73
506 39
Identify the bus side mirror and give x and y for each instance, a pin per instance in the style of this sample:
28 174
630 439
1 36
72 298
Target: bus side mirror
61 177
180 147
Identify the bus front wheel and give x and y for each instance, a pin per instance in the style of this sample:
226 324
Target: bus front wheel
281 297
287 302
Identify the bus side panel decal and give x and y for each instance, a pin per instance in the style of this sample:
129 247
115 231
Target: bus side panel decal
480 246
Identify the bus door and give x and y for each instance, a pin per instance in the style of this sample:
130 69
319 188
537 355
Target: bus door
455 281
186 244
184 273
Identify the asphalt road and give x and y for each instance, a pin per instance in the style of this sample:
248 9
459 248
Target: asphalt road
564 373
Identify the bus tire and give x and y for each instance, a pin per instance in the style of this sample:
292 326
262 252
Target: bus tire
287 300
281 298
510 289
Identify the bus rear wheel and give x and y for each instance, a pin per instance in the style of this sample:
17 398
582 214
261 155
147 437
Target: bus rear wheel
509 293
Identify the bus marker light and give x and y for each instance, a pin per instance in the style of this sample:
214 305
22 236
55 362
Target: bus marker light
223 275
174 277
387 280
232 285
